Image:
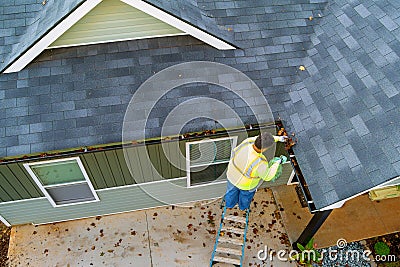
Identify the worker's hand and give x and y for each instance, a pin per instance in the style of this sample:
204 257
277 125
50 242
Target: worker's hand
283 159
280 138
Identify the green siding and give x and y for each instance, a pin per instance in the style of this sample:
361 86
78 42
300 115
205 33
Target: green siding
108 169
93 169
116 200
113 20
127 177
16 184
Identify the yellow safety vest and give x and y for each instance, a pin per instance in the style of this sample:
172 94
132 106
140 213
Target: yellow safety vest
244 165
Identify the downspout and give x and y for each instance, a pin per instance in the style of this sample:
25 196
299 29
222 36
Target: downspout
312 227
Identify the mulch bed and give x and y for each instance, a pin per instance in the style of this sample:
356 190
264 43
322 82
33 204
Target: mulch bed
393 241
4 240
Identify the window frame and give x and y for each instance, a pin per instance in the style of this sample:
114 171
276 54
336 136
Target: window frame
188 166
43 187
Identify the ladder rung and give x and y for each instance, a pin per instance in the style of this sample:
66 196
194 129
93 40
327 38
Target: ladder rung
235 241
235 218
233 230
227 260
229 250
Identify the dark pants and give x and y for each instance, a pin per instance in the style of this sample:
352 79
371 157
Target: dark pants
235 195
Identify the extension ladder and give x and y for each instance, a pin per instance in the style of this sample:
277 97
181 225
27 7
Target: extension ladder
231 238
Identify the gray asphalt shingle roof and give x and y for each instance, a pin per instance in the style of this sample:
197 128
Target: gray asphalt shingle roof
344 108
26 21
348 105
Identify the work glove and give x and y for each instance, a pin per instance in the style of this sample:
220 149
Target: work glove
280 138
283 159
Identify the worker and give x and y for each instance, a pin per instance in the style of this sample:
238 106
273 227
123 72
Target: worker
248 166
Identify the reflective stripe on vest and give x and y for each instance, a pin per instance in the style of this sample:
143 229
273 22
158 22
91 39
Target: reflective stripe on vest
251 167
248 171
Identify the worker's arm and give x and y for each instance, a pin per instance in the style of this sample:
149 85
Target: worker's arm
268 172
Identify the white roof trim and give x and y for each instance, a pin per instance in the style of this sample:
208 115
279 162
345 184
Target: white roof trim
179 24
49 38
340 203
88 5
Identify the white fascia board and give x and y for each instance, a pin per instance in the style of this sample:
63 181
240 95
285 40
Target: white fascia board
53 35
179 24
340 203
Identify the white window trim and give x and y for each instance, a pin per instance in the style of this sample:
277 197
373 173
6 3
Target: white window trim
43 188
291 177
188 184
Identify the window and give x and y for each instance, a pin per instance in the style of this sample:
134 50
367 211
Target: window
207 160
63 181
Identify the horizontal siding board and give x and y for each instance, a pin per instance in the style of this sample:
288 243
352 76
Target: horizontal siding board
122 22
114 36
112 201
113 20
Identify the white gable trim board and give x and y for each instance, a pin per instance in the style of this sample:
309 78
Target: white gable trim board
181 25
49 38
87 6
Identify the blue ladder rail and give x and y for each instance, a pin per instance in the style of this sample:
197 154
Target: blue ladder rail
234 261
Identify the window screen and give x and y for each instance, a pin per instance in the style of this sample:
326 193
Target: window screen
63 181
207 160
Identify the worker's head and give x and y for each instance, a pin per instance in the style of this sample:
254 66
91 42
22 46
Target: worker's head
263 142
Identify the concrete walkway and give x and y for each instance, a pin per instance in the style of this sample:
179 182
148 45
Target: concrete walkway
359 218
167 236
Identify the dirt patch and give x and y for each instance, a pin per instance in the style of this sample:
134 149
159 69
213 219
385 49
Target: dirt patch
4 240
393 242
